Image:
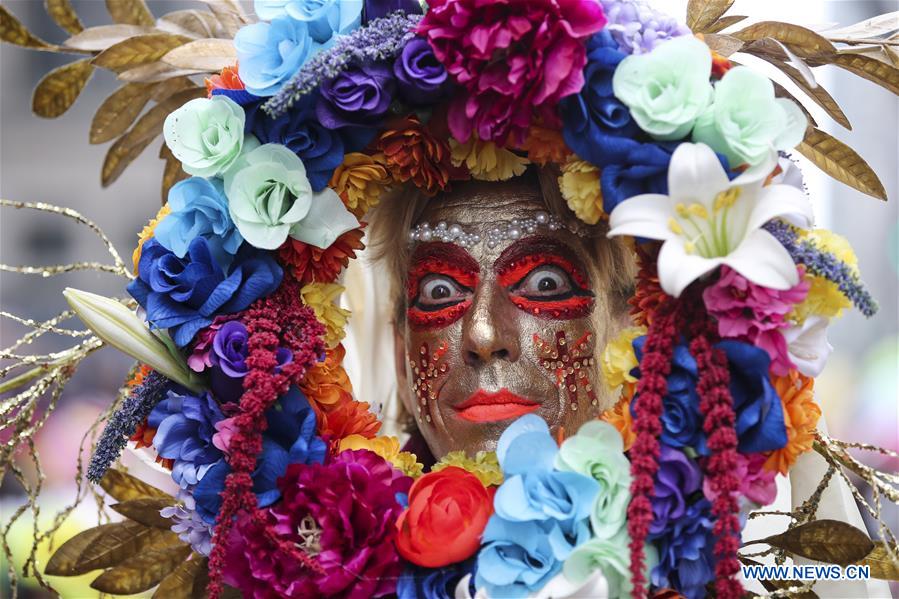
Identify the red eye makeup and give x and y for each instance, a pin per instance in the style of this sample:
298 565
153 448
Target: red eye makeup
441 283
545 278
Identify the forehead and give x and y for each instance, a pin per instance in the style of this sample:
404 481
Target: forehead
478 204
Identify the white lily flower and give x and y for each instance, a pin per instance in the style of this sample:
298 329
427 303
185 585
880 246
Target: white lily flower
706 221
807 345
121 328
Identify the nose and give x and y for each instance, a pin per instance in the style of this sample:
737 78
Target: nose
489 330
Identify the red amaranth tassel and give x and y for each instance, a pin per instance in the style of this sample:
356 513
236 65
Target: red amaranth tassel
651 389
302 334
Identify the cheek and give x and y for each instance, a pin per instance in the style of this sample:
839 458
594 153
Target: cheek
569 360
427 364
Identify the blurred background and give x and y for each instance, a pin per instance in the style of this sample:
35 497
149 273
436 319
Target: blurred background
51 161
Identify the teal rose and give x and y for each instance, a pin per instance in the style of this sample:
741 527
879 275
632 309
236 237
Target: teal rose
597 451
745 122
270 198
667 89
207 135
611 558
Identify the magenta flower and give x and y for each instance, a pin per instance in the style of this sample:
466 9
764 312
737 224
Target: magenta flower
513 58
756 483
342 515
753 313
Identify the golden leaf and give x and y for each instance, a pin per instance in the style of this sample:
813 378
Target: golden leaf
65 560
154 72
139 50
131 144
230 15
180 583
207 55
881 564
141 572
841 162
121 486
828 541
775 585
724 23
192 23
13 32
64 15
97 39
725 45
871 69
58 89
818 94
130 12
118 111
146 511
875 27
702 13
170 87
172 172
804 42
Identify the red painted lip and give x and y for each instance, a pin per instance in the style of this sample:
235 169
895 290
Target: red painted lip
484 406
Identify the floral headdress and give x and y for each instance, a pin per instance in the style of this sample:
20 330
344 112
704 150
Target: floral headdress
308 116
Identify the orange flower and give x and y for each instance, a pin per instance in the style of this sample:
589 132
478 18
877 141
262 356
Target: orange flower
349 418
648 295
545 145
360 181
138 374
326 384
801 415
412 153
143 437
315 265
620 417
229 79
147 232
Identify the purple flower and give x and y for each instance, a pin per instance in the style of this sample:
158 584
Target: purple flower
376 9
230 348
184 428
686 559
421 78
359 96
637 27
188 524
185 294
677 478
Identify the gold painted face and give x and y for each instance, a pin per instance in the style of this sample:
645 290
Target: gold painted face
492 333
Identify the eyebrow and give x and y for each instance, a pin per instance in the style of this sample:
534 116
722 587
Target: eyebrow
535 244
446 253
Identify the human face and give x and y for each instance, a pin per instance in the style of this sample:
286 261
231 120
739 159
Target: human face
493 333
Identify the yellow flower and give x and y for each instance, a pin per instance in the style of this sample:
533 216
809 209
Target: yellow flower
618 358
829 241
360 181
147 232
387 447
824 299
579 185
320 297
485 161
485 466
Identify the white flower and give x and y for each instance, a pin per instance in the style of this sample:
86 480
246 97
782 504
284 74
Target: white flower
707 221
807 345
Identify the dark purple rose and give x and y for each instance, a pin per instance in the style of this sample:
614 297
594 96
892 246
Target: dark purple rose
677 478
420 77
184 427
686 558
230 349
359 96
376 9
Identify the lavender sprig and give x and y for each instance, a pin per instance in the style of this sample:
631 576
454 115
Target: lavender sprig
824 264
124 421
380 39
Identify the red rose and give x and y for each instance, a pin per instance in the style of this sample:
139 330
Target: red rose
447 513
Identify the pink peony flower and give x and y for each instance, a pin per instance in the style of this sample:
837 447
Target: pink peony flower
756 483
512 57
199 359
754 313
341 515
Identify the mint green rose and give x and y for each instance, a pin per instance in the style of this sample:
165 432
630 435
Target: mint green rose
597 451
745 122
610 557
207 135
270 198
668 88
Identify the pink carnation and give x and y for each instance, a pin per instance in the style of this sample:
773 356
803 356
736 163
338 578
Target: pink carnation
347 511
512 57
754 313
756 483
199 359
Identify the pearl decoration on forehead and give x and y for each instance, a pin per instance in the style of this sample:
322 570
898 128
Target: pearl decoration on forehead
505 230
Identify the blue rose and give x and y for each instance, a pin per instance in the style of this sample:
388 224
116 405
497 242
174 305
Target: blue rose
269 54
199 209
433 583
184 427
325 18
376 9
677 478
760 420
289 439
686 558
185 294
320 148
541 514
